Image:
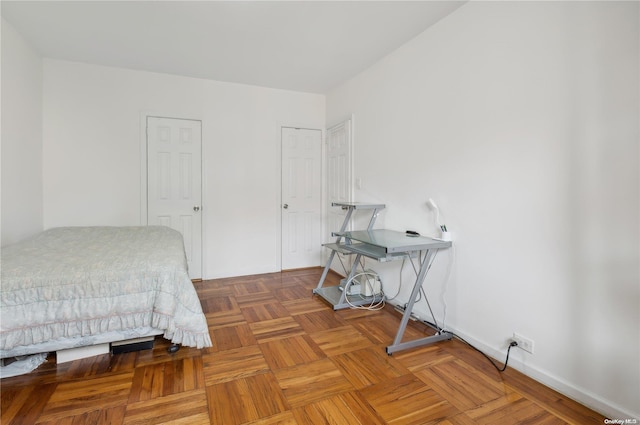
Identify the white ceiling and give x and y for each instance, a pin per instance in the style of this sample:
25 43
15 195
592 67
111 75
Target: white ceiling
308 46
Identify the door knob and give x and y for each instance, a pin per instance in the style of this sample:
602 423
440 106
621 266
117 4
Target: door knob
285 206
196 208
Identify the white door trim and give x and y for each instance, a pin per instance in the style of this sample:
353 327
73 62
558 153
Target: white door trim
351 151
331 214
143 173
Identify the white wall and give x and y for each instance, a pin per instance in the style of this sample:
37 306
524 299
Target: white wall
21 137
521 120
92 159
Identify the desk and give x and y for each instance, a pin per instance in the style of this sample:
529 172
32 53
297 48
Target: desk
333 294
384 245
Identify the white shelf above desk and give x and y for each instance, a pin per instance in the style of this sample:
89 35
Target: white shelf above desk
358 205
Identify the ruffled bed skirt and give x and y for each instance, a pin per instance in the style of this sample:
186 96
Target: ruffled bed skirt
85 332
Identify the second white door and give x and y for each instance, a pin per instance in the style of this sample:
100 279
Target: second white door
339 188
174 182
301 198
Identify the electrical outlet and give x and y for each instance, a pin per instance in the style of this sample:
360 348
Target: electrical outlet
523 342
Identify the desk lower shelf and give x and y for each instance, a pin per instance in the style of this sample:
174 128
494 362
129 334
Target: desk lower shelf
333 295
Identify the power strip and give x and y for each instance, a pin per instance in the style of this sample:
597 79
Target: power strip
371 288
366 285
354 289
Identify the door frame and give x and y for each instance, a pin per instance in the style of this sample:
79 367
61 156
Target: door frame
323 194
143 173
352 186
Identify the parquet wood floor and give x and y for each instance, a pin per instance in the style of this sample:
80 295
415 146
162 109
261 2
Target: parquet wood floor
283 356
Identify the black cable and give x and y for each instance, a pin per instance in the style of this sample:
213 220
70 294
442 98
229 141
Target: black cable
421 293
512 344
506 361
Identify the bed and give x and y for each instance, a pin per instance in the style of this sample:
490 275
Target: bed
80 286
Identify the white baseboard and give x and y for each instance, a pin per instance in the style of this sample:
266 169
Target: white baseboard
593 401
585 397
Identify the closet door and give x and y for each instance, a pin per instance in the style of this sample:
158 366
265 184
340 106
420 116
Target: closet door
174 182
301 198
339 180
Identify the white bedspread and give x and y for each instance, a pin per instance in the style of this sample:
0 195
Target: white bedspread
80 281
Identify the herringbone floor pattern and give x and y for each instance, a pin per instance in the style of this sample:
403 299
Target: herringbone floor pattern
283 356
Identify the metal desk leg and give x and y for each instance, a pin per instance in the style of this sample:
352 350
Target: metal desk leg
333 253
343 296
325 271
397 344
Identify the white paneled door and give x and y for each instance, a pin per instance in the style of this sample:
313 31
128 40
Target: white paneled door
339 188
301 198
174 182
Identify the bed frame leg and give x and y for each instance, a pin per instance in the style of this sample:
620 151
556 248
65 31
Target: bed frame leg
173 349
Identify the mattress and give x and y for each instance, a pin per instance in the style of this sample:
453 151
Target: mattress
80 282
